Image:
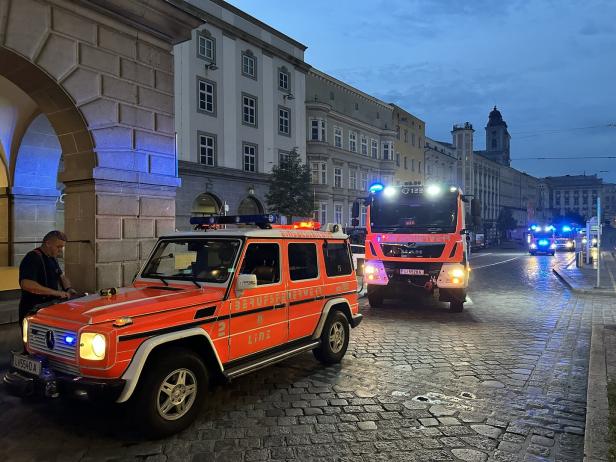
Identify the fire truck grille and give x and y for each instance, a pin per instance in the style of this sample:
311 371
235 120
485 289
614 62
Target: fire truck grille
413 250
53 341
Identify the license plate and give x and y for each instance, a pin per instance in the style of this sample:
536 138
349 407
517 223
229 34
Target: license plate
412 272
27 364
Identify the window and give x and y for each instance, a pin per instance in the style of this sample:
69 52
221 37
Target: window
249 65
249 110
413 139
420 141
283 159
262 260
320 214
207 149
338 137
317 130
419 166
406 135
352 141
397 159
386 151
284 121
207 96
338 213
318 172
284 79
250 157
206 47
363 215
364 181
374 148
337 259
352 179
337 178
412 165
303 261
364 145
405 163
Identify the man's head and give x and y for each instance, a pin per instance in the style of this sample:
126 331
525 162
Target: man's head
53 243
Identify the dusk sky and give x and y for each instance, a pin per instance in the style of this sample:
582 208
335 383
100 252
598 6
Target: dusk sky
549 66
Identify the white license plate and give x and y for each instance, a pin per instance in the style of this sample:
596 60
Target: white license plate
412 272
27 364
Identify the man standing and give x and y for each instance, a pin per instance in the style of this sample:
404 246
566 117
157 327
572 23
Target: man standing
40 277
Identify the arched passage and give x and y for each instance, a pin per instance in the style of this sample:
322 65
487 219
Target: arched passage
206 204
250 206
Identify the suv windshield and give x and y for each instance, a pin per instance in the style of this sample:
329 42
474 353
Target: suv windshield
414 213
193 259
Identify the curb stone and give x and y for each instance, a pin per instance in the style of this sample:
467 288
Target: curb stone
596 436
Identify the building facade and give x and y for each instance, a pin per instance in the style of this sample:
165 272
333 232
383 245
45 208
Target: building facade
441 163
240 87
609 204
350 145
408 147
574 193
462 141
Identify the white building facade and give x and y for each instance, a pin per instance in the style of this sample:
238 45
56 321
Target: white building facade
239 109
440 163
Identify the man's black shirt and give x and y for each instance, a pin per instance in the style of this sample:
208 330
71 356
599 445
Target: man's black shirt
40 268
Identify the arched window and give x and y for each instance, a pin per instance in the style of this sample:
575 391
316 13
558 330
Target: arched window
206 204
250 206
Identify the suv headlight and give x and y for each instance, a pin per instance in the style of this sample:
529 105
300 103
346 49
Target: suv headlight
24 330
92 346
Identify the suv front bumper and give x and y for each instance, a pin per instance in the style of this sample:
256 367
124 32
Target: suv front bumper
52 384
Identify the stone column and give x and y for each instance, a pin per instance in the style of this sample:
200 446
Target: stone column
121 221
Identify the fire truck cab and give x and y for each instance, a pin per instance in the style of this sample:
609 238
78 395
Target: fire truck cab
416 239
542 239
205 305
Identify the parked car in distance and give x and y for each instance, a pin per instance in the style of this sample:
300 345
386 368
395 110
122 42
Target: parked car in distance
358 252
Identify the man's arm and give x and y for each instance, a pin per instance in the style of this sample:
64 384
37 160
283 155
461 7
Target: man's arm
35 288
67 284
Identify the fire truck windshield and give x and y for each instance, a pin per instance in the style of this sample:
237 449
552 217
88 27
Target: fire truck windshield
414 213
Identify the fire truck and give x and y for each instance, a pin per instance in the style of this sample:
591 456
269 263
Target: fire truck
542 239
416 241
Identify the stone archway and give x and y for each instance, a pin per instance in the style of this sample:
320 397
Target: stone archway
250 206
102 74
206 204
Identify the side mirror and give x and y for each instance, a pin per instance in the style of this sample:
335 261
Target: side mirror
246 281
476 211
355 211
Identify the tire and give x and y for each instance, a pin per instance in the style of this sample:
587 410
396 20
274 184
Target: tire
334 339
177 370
375 296
456 307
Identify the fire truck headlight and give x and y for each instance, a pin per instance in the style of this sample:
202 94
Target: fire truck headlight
433 190
584 240
533 246
369 269
24 330
594 240
456 273
389 192
92 346
552 246
569 244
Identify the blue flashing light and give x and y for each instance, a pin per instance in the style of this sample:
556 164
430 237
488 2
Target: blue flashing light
543 242
566 228
234 219
376 187
69 339
533 227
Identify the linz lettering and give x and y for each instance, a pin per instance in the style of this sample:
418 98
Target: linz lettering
258 337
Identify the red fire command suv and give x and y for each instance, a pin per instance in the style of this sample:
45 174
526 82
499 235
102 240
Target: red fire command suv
213 304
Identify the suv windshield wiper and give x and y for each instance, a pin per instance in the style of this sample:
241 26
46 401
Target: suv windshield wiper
194 281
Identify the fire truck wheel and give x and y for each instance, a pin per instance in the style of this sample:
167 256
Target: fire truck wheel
171 392
375 296
334 339
456 307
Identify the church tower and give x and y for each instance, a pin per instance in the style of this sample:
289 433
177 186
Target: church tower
497 139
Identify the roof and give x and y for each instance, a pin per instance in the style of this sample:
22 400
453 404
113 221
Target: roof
259 233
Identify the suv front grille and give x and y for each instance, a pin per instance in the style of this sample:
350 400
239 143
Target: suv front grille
52 341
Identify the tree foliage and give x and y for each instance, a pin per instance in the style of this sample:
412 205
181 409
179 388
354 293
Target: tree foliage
505 221
290 191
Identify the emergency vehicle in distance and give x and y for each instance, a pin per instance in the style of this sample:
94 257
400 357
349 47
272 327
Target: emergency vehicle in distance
542 239
416 238
565 237
206 305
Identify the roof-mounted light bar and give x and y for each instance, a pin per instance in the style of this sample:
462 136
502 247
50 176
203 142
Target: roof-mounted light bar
262 221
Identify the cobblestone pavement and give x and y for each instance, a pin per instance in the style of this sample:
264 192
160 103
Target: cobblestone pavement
503 381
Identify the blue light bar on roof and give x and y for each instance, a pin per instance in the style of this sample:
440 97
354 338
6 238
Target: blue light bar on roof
376 187
234 220
566 228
